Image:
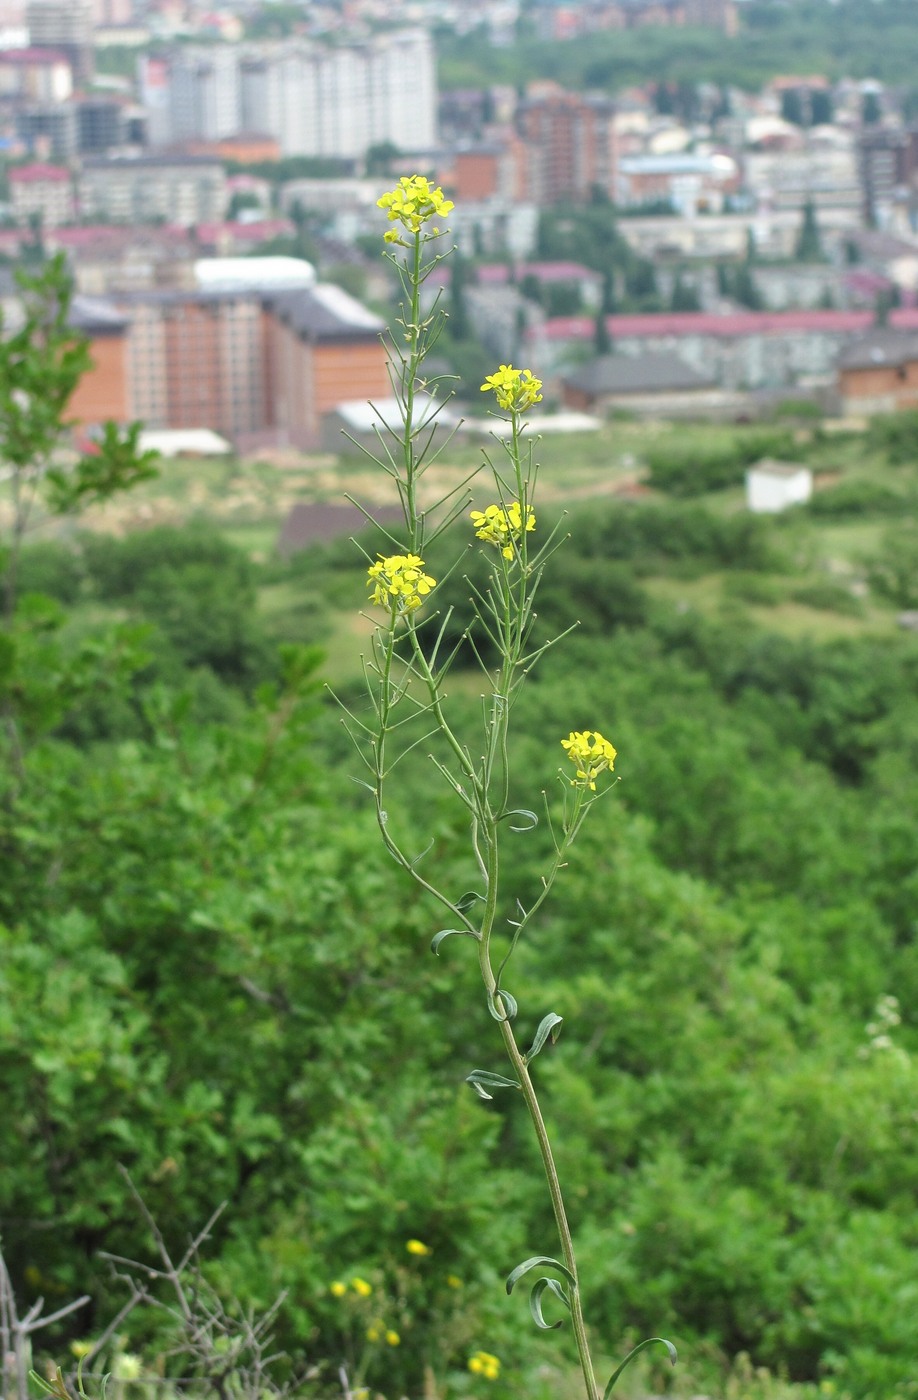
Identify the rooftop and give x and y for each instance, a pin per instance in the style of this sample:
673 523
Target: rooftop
685 323
326 312
39 173
661 372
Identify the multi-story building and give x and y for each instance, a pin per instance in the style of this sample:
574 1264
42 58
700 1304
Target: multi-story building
101 124
314 99
888 160
689 183
64 25
48 129
570 146
42 192
182 190
117 12
253 364
36 75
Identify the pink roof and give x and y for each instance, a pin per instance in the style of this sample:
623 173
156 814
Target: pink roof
32 56
259 231
683 323
32 174
499 273
87 234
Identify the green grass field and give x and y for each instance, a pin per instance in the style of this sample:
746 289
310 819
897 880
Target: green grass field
820 591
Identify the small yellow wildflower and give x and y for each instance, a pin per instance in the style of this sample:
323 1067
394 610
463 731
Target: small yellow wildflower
413 202
453 1281
503 527
337 1289
417 1247
516 389
361 1287
398 582
373 1334
81 1349
484 1364
591 753
392 1337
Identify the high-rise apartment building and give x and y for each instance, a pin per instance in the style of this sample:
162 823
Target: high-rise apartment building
569 143
314 99
65 25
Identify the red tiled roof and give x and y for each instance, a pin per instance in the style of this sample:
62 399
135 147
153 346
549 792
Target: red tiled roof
33 55
33 174
499 273
684 323
259 231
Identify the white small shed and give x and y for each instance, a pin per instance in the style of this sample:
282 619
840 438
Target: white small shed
773 486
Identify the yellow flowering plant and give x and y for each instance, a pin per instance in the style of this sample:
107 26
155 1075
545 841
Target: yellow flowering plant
408 706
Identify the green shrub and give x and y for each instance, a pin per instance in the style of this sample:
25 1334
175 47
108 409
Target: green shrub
693 471
896 434
829 596
855 497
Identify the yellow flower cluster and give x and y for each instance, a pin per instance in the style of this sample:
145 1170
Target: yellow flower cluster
398 582
380 1332
503 527
591 753
413 203
484 1364
516 389
417 1247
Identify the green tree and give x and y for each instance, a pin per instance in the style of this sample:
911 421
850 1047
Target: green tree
871 111
684 296
809 243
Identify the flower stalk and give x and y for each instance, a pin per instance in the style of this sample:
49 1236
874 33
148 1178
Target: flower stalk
408 706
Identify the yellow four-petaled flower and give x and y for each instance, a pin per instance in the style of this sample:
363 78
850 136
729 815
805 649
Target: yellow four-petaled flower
503 527
413 203
398 582
515 389
592 755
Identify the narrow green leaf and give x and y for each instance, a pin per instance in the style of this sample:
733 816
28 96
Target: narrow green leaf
673 1356
530 819
535 1302
548 1026
445 933
534 1263
465 901
482 1079
511 1006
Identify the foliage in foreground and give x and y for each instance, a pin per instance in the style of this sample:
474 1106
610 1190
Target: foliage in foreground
740 1147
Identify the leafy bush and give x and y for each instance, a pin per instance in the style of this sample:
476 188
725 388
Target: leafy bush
197 588
896 434
52 569
830 597
855 497
693 471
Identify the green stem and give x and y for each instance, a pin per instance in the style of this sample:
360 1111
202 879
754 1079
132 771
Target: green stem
557 1202
415 355
535 1113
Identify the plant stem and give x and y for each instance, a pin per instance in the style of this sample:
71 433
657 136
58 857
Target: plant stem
557 1202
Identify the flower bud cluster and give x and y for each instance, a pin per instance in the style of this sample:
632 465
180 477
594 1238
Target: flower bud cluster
591 753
